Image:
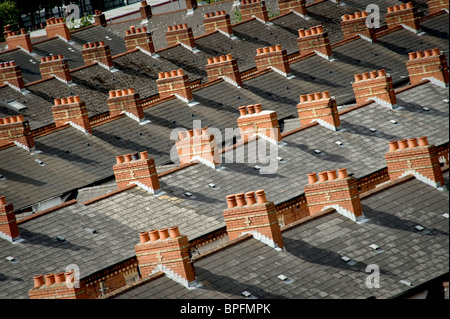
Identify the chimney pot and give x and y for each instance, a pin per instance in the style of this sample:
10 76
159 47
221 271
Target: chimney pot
258 108
423 141
240 200
412 55
303 98
38 281
312 178
402 144
128 158
231 201
251 109
163 233
59 278
393 146
323 177
436 51
243 110
261 196
326 95
143 237
331 175
412 142
250 196
154 235
342 173
49 279
119 159
144 155
174 232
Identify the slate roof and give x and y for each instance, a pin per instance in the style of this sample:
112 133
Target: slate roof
312 259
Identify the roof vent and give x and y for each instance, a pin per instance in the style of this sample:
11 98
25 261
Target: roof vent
376 248
419 228
445 100
285 279
281 160
426 108
445 215
257 167
393 121
339 143
2 177
213 186
61 239
373 130
91 231
317 151
189 195
11 259
348 261
39 162
407 283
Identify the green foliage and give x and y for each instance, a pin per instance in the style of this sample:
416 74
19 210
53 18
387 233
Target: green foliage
237 15
9 14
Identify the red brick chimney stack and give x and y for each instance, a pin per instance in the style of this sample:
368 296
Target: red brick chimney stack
273 57
11 74
404 14
376 86
254 121
145 10
254 8
15 129
168 251
139 170
252 213
198 145
180 33
139 37
8 223
316 40
319 107
355 24
218 20
224 66
125 101
428 64
97 52
56 286
191 4
73 111
57 27
286 6
55 66
175 83
416 157
99 18
15 39
334 190
437 5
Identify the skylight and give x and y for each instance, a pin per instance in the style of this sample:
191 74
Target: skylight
15 105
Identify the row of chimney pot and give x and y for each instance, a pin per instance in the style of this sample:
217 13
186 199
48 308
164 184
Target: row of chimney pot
118 93
68 100
7 64
221 58
247 199
215 14
399 7
424 54
356 15
314 96
161 234
50 279
132 157
327 176
94 44
52 58
177 27
134 30
11 119
408 143
269 49
312 31
370 75
55 21
250 109
193 132
173 73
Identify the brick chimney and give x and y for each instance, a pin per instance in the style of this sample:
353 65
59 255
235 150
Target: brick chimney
16 39
11 74
198 145
8 223
15 129
168 251
430 65
437 5
139 170
252 213
316 40
139 37
57 27
56 286
376 86
404 14
274 58
145 10
254 121
224 67
175 83
355 24
97 52
286 6
191 4
219 20
319 107
334 190
125 101
6 30
416 157
55 66
99 18
254 8
180 33
73 111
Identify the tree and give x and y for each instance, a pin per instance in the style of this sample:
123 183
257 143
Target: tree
9 14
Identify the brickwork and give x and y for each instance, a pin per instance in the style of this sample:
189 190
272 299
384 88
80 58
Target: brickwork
272 57
319 107
254 121
180 33
71 110
218 20
100 18
223 66
428 64
139 37
55 65
16 129
253 8
374 85
16 39
57 26
11 73
287 6
145 10
355 24
132 168
128 101
97 51
314 39
437 5
174 82
8 223
414 156
404 14
197 144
